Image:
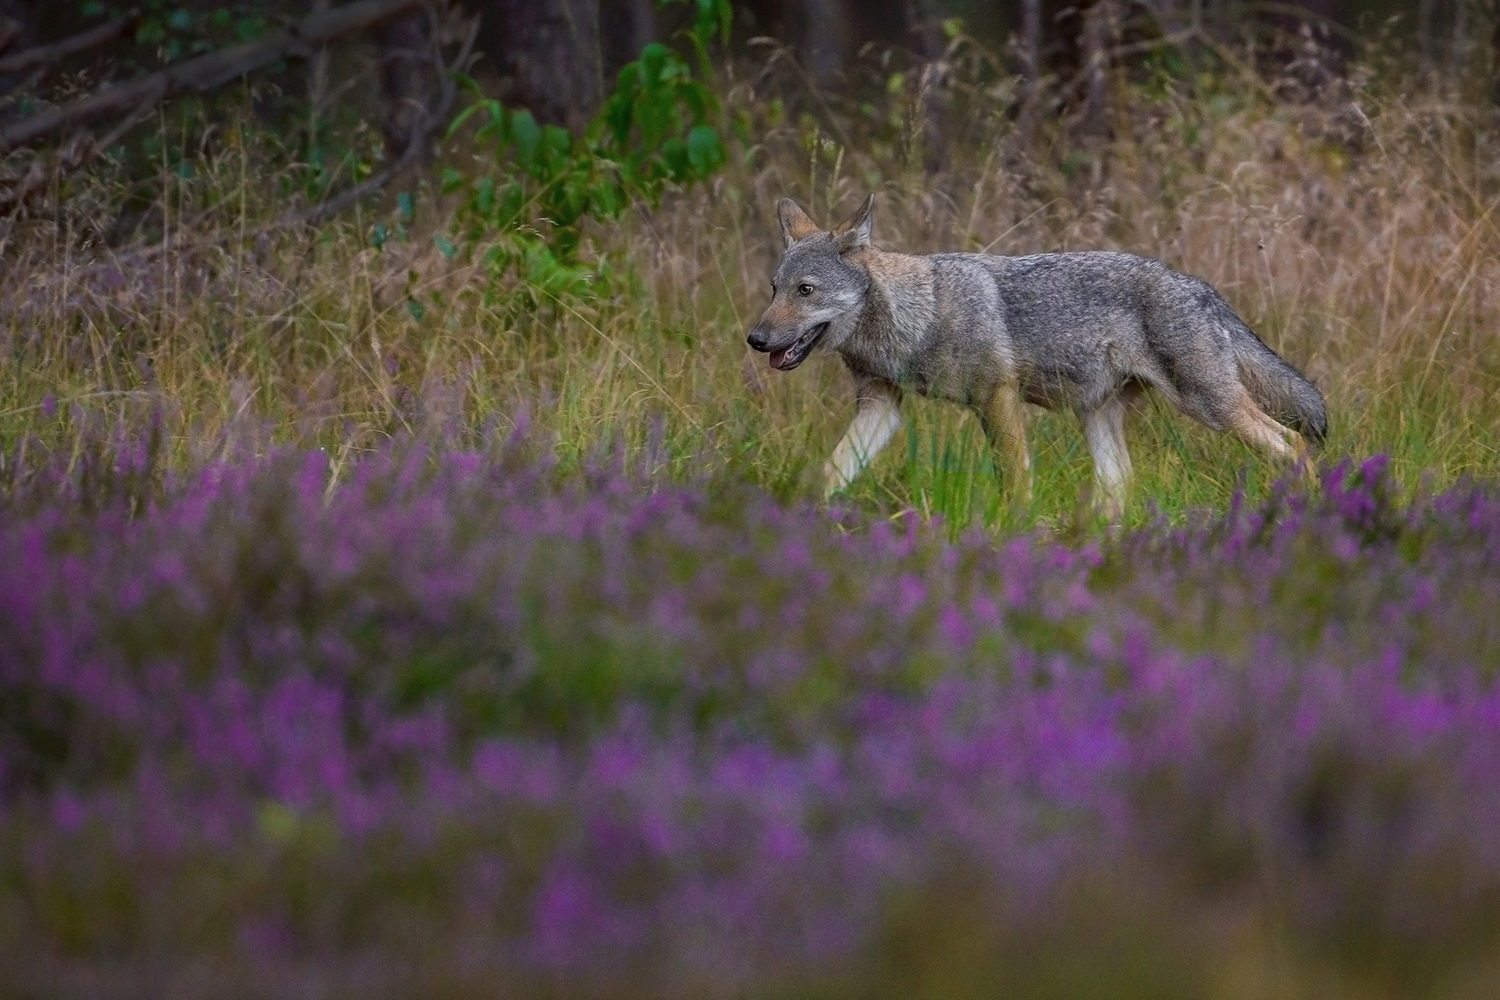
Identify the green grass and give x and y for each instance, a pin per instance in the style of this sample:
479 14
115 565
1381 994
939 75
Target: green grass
1371 265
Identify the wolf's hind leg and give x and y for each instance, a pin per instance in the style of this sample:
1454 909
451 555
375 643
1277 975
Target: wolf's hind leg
878 417
1005 425
1104 430
1259 430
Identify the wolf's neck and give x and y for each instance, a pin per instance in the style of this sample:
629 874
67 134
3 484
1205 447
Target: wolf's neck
897 315
901 304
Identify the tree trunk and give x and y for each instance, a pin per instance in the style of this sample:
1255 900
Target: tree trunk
1460 36
549 51
825 38
1031 62
1096 32
1495 50
625 28
1424 32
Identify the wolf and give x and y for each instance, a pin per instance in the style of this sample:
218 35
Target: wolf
1085 331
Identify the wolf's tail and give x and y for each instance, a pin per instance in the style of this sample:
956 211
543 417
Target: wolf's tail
1278 388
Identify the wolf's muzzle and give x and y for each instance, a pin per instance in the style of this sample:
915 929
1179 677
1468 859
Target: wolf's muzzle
789 357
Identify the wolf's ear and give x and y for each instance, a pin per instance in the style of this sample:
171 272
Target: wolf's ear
795 223
855 232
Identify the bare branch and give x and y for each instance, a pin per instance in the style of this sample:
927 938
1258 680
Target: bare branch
46 55
10 33
206 72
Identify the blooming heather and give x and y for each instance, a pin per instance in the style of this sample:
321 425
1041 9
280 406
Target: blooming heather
457 720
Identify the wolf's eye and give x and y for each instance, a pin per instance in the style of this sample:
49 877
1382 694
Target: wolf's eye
805 289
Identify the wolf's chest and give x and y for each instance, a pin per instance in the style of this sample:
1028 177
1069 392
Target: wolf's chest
939 369
945 378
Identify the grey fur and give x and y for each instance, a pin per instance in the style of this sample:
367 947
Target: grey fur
1081 331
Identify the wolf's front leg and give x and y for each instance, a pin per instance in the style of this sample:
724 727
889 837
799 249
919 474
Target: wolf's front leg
1104 429
878 417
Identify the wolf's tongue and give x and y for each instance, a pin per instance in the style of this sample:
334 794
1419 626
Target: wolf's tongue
778 358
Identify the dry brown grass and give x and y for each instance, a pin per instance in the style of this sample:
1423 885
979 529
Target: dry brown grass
1357 232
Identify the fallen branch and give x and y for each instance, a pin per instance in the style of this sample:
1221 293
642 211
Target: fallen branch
10 33
79 150
206 72
46 55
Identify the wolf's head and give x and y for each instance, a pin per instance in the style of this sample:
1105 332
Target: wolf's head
818 291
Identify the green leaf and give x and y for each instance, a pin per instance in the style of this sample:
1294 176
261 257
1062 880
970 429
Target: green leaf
655 119
510 198
92 8
405 206
652 61
711 17
493 107
379 235
528 135
180 20
445 247
499 257
609 198
484 197
697 99
674 155
705 151
250 28
416 309
726 20
452 181
150 32
618 109
556 142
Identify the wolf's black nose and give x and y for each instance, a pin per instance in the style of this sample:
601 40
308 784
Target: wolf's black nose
757 340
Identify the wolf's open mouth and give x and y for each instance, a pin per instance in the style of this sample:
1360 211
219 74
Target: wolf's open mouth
790 357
